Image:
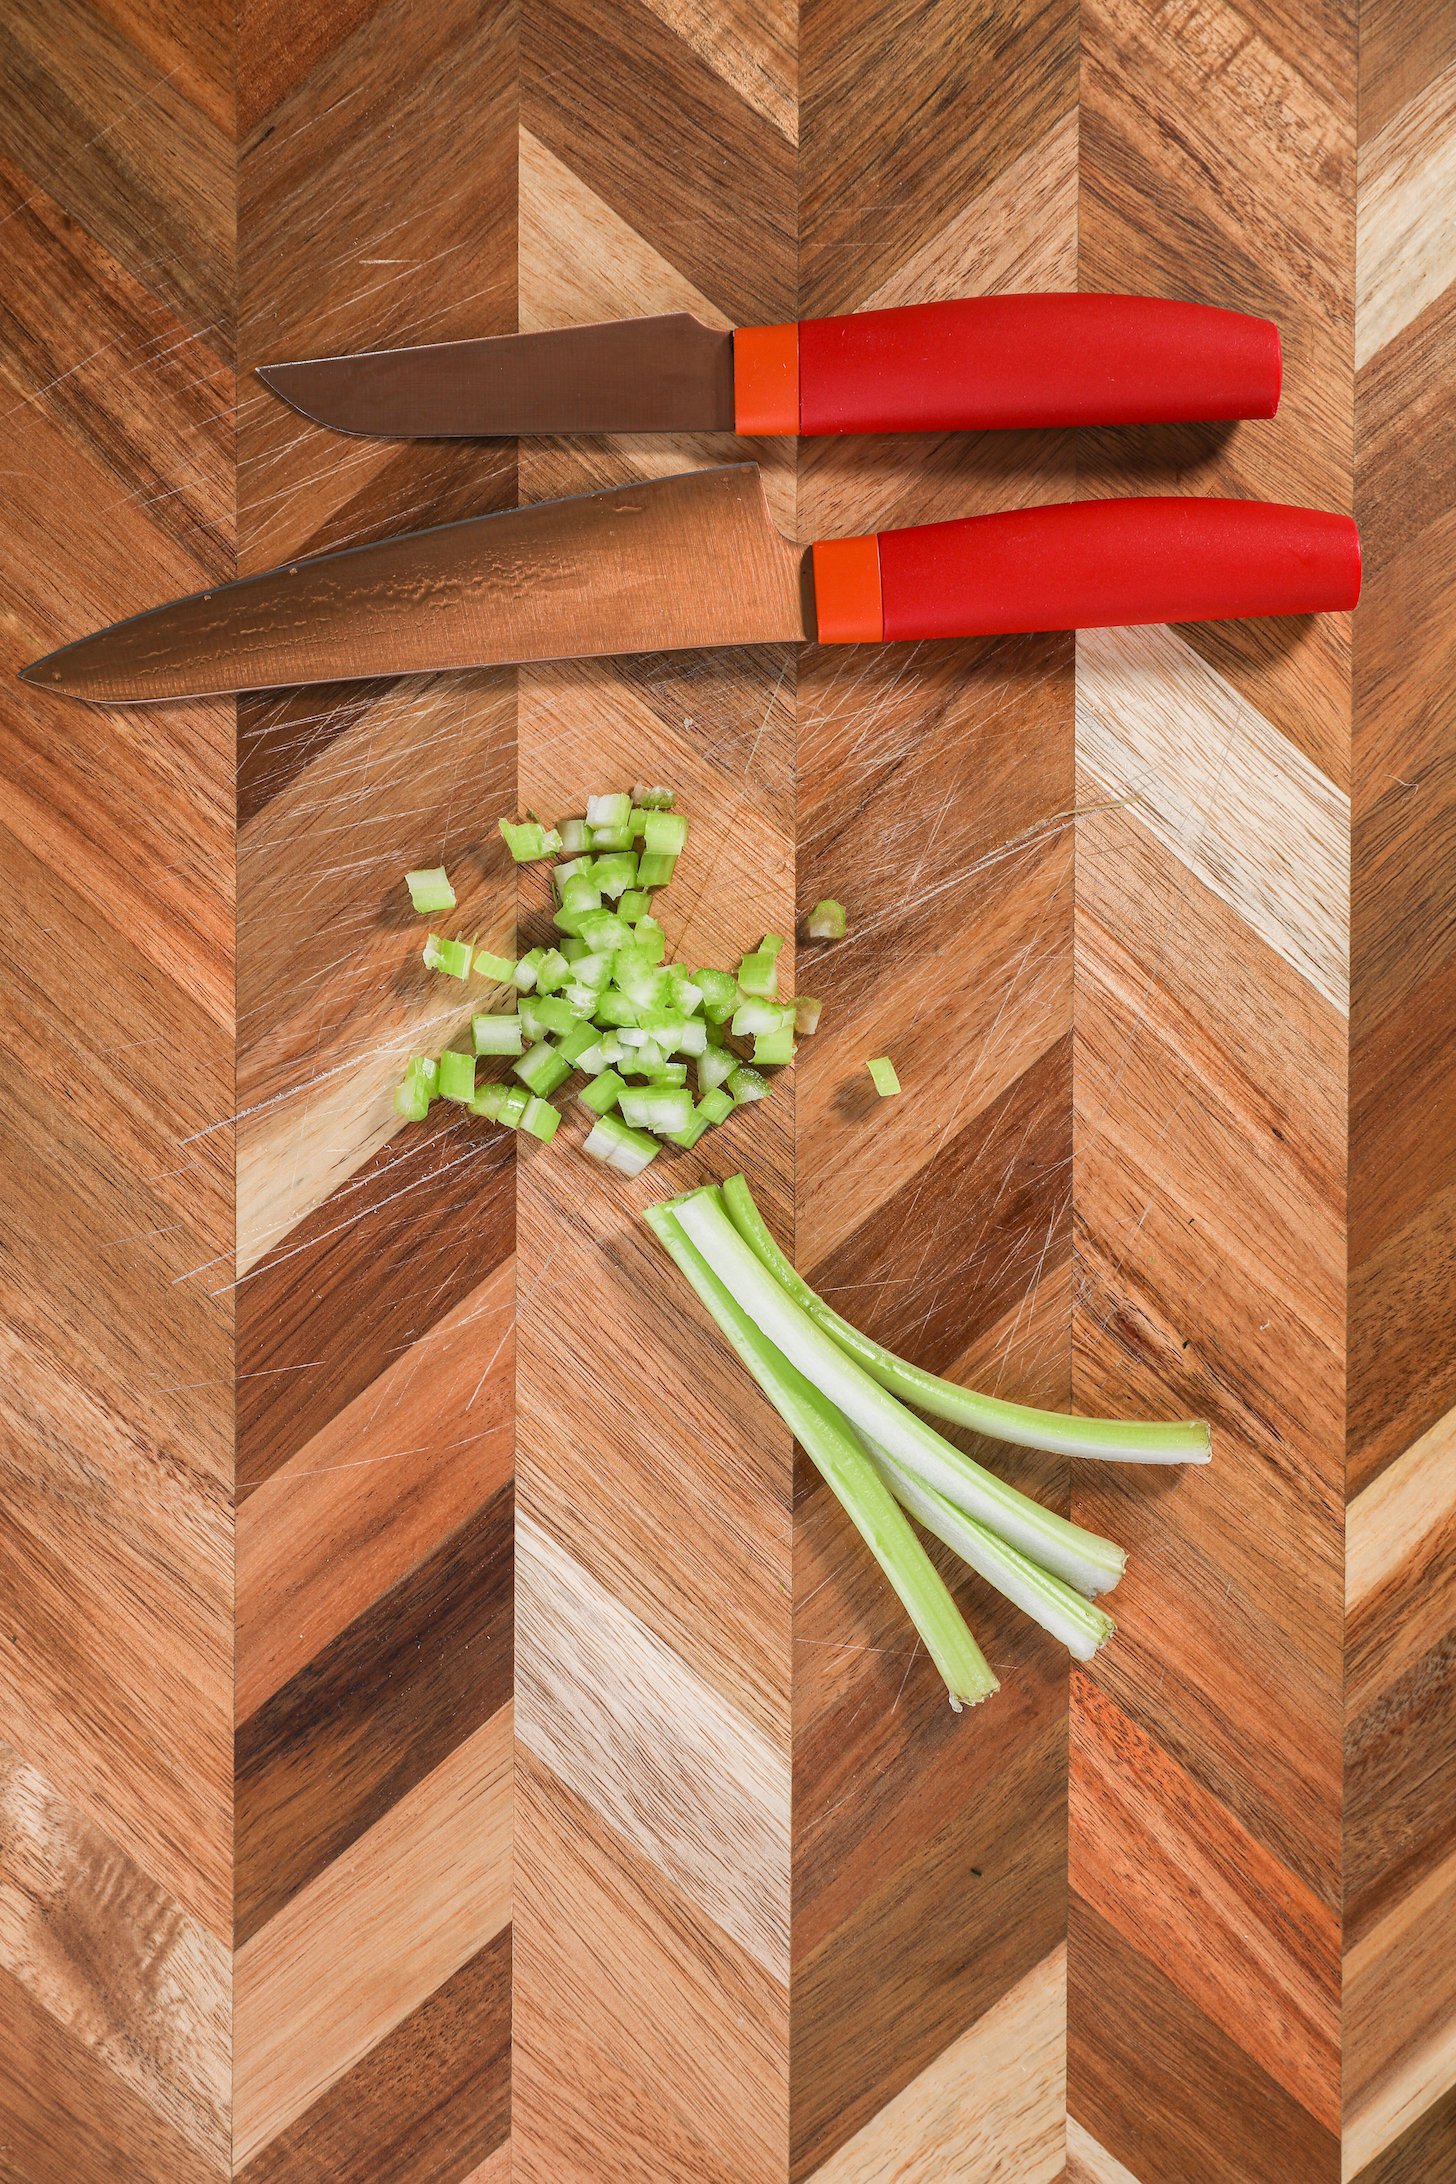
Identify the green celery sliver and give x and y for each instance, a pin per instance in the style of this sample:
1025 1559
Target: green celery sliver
1091 1564
883 1072
1078 1622
430 890
1185 1441
846 1469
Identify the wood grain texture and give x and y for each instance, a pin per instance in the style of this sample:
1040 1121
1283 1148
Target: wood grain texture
116 1009
1400 1715
1174 1024
374 1459
1212 976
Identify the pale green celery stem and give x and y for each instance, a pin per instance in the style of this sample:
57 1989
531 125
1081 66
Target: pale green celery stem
1184 1442
847 1470
1090 1563
1080 1625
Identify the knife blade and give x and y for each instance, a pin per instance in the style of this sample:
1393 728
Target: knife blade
972 363
695 560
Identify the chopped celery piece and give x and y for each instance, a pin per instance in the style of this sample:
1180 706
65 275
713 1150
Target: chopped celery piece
827 920
430 890
882 1070
842 1461
639 979
636 825
650 938
771 944
773 1048
489 1100
806 1013
594 1059
581 999
573 947
635 904
553 971
603 1093
644 1060
592 970
580 893
608 811
692 1037
529 841
684 993
457 1075
604 932
717 1034
720 994
611 839
613 1142
1091 1564
524 976
541 1119
616 1008
569 921
567 870
1187 1441
753 1018
658 1107
612 876
412 1097
548 1012
576 1042
542 1069
715 1067
496 1034
575 837
664 834
687 1137
653 799
746 1085
759 974
716 1104
513 1102
453 957
654 870
498 967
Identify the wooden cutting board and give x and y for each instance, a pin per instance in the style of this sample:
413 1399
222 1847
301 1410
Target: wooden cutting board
307 1871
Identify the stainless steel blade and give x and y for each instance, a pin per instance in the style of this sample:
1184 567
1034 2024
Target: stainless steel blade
692 560
668 374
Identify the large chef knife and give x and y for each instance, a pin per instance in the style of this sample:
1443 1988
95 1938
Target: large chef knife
695 560
981 362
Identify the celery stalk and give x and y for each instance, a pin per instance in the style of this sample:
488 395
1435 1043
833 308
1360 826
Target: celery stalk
846 1469
1185 1441
1086 1561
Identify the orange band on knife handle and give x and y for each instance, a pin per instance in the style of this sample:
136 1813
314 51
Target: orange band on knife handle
848 601
766 379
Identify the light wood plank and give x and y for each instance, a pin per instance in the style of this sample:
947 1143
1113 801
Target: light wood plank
1230 796
377 1932
1406 235
670 1762
990 2107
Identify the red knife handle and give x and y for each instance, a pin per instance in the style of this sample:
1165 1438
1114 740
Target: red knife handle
1086 565
988 362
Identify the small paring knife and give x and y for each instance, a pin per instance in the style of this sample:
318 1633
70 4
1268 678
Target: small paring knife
696 560
976 364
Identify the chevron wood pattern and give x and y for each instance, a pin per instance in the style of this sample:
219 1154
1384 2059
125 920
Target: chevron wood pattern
1212 998
435 1746
1400 1711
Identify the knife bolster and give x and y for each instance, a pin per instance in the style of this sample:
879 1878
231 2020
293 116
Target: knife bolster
766 379
848 599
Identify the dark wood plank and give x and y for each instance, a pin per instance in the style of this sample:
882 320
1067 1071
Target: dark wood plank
369 1717
426 2106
